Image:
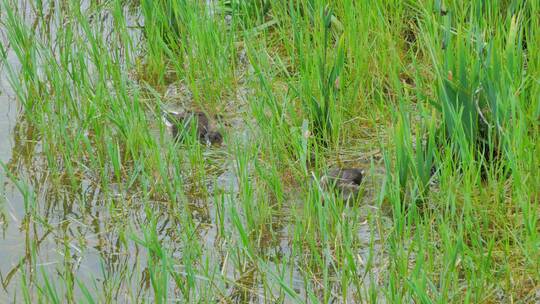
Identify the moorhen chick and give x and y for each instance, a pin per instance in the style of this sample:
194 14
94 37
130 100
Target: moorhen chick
181 122
344 180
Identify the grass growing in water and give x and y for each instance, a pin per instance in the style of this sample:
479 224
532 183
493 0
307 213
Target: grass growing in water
113 209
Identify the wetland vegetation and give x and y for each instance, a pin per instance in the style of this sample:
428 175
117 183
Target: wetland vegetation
430 108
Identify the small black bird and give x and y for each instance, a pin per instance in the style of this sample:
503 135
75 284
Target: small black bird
181 122
345 181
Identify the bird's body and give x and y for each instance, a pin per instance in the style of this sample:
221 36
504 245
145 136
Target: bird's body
349 176
180 124
345 181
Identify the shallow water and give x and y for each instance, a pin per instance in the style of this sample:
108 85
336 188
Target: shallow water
93 245
10 201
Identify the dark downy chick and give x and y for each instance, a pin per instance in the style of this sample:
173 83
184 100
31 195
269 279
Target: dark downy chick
345 181
181 122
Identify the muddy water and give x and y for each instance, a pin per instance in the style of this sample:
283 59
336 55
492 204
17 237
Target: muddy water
10 201
8 113
75 233
76 240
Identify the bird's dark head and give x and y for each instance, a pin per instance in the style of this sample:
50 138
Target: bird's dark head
354 175
215 138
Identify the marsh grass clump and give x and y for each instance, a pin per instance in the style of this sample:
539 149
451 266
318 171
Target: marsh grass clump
248 11
469 107
475 80
415 158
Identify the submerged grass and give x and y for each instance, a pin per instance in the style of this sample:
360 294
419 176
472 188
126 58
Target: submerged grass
438 101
